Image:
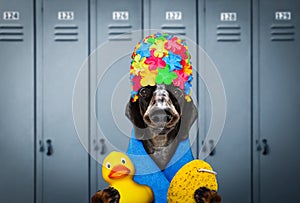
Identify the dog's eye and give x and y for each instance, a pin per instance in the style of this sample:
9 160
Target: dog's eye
178 92
108 165
123 160
144 92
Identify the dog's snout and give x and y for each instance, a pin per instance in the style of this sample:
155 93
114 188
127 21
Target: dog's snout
161 113
160 117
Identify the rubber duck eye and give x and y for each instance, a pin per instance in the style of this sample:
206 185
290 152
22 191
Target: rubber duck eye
108 165
123 160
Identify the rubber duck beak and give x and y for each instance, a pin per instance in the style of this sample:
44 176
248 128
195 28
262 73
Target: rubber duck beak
119 171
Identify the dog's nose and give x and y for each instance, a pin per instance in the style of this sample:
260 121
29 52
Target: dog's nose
160 117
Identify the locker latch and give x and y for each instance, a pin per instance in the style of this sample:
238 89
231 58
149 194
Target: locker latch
42 147
49 147
264 147
212 147
102 144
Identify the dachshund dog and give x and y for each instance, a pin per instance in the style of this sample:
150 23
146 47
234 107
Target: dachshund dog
162 117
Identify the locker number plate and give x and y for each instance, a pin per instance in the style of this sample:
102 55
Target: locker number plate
65 15
173 15
228 16
120 15
283 15
11 15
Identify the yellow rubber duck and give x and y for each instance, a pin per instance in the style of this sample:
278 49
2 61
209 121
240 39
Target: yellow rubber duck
189 178
118 171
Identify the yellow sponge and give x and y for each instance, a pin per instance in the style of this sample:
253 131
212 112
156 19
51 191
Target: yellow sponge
189 178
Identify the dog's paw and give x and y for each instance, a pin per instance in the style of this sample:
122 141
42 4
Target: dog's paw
204 195
109 195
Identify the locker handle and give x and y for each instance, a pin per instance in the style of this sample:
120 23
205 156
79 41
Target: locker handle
42 147
266 148
103 147
258 146
49 147
212 148
96 147
204 146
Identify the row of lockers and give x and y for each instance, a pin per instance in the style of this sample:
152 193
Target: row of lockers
44 46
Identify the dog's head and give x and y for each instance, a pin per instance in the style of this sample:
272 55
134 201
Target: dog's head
160 110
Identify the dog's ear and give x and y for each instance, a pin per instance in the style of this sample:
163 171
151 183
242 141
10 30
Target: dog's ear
188 117
133 113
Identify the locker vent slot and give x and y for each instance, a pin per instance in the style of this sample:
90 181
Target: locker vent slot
65 33
176 29
11 32
119 32
282 32
228 33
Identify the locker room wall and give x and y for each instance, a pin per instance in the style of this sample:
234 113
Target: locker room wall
254 45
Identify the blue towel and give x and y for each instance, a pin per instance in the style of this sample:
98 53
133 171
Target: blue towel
148 173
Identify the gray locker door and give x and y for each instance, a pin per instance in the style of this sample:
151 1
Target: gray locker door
17 101
118 27
277 98
179 18
227 42
64 47
174 16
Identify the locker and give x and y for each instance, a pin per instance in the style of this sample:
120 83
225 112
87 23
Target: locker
115 29
179 18
276 100
62 162
176 17
225 35
17 101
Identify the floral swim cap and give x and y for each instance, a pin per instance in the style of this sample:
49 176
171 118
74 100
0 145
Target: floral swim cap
161 59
